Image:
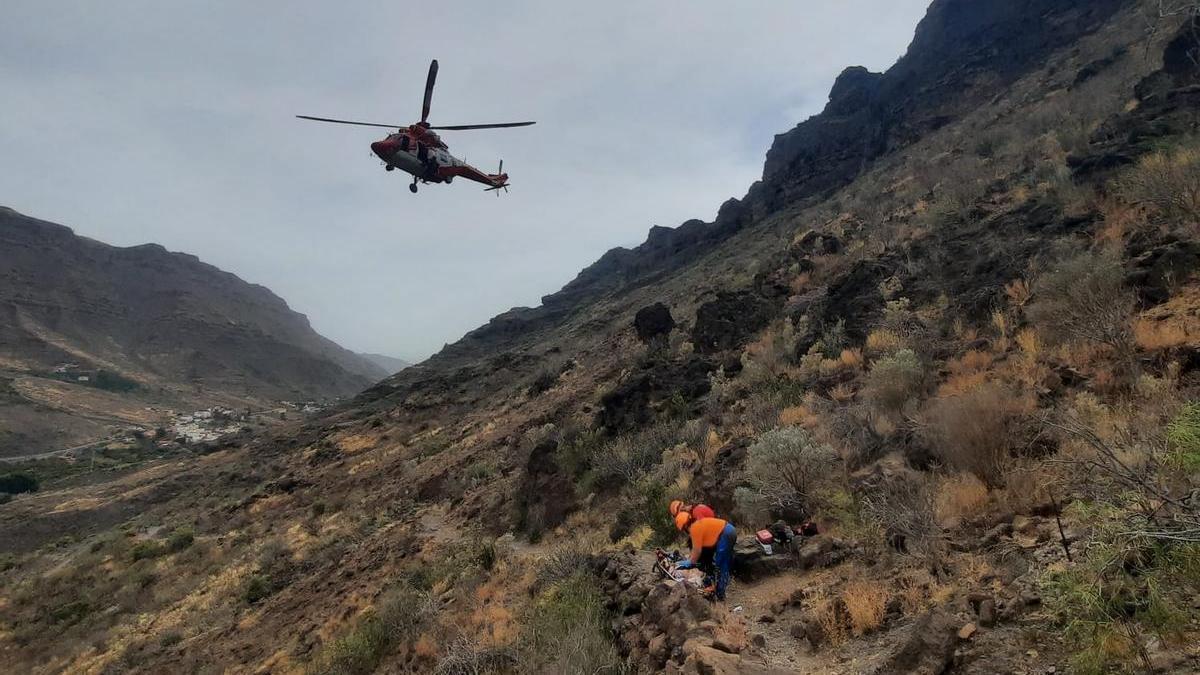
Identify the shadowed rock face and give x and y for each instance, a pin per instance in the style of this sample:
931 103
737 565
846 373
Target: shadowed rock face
153 314
964 53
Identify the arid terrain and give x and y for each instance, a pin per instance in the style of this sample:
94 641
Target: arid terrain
97 340
956 325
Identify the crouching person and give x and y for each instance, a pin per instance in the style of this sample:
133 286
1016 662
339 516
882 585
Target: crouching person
712 548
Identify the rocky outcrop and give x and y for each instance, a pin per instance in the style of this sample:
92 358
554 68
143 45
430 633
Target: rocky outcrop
665 627
634 400
1168 105
929 647
653 322
965 52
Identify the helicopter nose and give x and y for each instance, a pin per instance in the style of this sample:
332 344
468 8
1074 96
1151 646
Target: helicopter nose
385 148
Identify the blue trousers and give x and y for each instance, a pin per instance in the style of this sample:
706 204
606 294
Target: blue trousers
723 558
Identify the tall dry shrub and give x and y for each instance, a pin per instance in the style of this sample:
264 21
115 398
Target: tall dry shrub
1083 299
904 506
1168 183
980 431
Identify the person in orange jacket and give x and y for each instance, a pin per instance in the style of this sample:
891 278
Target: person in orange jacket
697 511
712 547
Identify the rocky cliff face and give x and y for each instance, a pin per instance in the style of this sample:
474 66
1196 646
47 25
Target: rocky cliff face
157 317
964 54
488 510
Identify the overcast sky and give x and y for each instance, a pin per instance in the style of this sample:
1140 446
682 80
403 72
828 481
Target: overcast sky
172 122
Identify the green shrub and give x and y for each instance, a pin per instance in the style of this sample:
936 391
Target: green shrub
543 383
1109 611
893 381
180 539
71 613
170 639
16 483
258 587
567 630
562 562
1183 438
787 473
396 619
645 503
626 459
110 381
575 451
146 549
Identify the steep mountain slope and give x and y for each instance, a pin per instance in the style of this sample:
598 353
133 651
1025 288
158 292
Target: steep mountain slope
957 314
144 320
389 364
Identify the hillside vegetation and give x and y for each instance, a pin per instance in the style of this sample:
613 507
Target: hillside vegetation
957 325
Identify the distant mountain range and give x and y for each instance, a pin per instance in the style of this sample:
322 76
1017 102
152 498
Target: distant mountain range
390 364
146 322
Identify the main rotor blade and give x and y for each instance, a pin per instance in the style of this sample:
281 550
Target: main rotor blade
361 124
429 89
465 127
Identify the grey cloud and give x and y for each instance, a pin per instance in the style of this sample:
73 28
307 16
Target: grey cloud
166 122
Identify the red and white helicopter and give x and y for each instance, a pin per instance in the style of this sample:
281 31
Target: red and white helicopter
417 150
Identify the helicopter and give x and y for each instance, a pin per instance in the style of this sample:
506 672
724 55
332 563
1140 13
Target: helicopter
418 150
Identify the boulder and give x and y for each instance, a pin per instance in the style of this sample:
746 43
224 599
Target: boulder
710 661
928 649
812 242
732 318
653 322
987 613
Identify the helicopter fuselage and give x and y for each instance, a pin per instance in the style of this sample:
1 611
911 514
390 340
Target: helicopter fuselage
422 153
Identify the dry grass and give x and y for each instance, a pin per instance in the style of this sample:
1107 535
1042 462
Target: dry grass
973 361
978 431
770 356
828 611
1029 485
883 341
1153 336
842 393
798 416
960 497
852 358
1029 342
1018 292
1168 184
1120 219
959 384
865 602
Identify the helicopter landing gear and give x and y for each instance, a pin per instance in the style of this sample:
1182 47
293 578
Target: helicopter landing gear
389 167
413 188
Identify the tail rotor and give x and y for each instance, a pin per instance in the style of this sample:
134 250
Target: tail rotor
502 179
